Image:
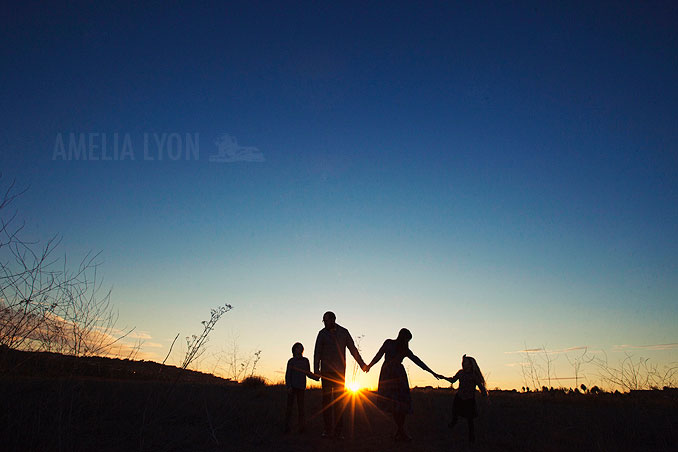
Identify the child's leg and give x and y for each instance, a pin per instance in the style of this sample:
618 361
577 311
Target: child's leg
455 415
300 409
290 404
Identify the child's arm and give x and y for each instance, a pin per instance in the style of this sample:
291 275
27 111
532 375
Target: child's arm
453 379
312 376
307 370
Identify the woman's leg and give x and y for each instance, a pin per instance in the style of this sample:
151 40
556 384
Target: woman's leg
399 419
471 430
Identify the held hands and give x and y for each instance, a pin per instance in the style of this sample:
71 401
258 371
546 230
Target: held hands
313 375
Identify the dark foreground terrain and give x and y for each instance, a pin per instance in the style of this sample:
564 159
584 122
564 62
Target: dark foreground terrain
80 412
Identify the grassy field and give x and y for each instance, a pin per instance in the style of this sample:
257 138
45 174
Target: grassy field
133 409
86 414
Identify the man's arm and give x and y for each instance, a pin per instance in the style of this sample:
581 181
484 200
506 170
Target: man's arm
307 371
354 351
317 353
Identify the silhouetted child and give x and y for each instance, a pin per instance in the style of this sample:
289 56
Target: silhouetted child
464 404
298 368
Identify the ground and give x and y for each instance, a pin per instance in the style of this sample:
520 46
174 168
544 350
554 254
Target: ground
87 413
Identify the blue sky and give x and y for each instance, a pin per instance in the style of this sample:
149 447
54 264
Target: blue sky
491 176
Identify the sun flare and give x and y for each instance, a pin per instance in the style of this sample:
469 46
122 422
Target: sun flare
354 387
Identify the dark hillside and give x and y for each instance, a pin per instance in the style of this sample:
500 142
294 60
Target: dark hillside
52 365
119 405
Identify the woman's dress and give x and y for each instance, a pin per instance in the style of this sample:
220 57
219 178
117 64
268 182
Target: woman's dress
394 388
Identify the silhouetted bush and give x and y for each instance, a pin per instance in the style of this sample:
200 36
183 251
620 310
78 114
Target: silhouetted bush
254 381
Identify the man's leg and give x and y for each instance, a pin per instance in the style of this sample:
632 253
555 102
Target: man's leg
339 406
327 405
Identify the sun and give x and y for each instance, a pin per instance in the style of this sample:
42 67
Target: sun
354 387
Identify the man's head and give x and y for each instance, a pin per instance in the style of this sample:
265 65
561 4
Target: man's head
329 319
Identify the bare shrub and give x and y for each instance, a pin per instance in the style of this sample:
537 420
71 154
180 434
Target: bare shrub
631 374
577 361
628 375
44 305
537 369
196 343
232 364
356 367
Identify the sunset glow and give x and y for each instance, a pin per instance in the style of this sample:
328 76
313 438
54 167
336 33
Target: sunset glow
354 387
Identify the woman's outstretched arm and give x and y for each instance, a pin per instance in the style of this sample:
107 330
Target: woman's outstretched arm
415 359
376 358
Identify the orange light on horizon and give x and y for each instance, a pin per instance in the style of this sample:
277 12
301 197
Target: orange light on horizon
354 387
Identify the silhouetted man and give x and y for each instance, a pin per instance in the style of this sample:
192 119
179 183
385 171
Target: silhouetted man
329 361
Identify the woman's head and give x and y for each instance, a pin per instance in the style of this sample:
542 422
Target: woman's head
404 335
403 339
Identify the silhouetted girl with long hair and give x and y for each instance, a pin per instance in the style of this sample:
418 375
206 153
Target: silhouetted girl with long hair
394 389
464 404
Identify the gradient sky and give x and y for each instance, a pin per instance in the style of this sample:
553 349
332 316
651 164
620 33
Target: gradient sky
492 177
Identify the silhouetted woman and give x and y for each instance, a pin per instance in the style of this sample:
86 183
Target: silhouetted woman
394 389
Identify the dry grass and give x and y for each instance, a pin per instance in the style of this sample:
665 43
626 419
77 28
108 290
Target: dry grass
83 414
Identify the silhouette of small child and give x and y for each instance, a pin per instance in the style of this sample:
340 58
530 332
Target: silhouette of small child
298 368
464 404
